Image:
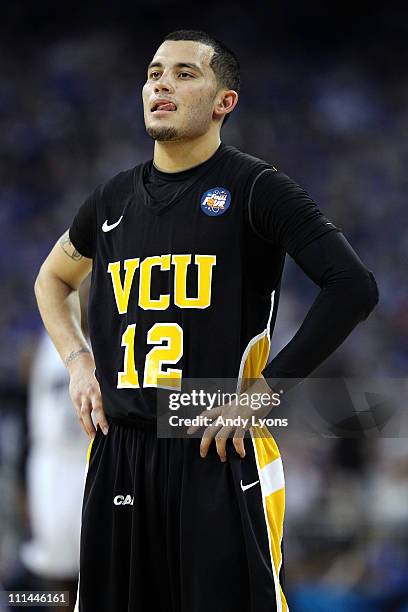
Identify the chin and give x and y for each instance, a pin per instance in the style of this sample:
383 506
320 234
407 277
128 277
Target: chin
162 133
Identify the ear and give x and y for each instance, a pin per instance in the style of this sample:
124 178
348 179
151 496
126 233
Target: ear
225 103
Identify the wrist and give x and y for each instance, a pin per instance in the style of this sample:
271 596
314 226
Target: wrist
76 357
264 394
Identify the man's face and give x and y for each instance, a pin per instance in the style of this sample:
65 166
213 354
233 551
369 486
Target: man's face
179 94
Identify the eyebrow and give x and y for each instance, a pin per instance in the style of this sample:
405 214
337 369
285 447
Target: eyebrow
178 65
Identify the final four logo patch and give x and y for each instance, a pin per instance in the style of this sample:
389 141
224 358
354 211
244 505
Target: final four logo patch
215 201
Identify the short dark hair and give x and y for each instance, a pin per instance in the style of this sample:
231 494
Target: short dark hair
224 62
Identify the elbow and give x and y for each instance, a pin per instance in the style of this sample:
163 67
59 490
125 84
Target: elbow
356 291
366 293
37 285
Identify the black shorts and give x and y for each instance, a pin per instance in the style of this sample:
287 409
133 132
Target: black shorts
168 531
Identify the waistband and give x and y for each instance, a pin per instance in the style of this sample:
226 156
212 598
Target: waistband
133 422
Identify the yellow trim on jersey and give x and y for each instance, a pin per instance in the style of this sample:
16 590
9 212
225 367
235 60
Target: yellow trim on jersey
275 510
268 459
257 357
88 452
272 483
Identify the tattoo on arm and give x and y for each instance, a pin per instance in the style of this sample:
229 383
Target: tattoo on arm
74 354
68 248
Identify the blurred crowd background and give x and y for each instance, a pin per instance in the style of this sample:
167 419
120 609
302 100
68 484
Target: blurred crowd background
324 99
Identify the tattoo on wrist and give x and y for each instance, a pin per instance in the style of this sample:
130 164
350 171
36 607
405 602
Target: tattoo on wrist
68 248
74 354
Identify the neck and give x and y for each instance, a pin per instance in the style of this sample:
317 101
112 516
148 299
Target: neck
181 155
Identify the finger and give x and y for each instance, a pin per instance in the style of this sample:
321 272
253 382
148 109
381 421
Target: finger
213 412
221 441
208 435
81 421
86 409
238 442
77 406
99 412
209 414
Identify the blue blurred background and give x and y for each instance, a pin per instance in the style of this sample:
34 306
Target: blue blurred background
324 99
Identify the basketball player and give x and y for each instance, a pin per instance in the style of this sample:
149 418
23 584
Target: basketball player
186 252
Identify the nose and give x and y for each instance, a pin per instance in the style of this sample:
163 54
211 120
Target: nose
162 84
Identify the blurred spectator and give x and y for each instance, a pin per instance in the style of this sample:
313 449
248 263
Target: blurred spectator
49 560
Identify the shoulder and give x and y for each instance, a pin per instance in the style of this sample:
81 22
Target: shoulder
244 163
118 185
115 193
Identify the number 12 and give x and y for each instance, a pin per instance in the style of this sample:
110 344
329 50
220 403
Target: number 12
169 340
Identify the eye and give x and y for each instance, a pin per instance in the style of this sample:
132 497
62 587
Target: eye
185 74
154 74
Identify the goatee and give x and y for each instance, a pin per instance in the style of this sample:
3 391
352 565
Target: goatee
163 133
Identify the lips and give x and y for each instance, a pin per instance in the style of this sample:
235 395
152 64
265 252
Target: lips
163 105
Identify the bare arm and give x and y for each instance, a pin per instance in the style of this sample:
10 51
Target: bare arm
56 290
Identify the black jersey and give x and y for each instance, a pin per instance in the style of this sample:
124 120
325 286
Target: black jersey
185 283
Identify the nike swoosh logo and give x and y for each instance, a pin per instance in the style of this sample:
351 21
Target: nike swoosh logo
245 487
107 228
